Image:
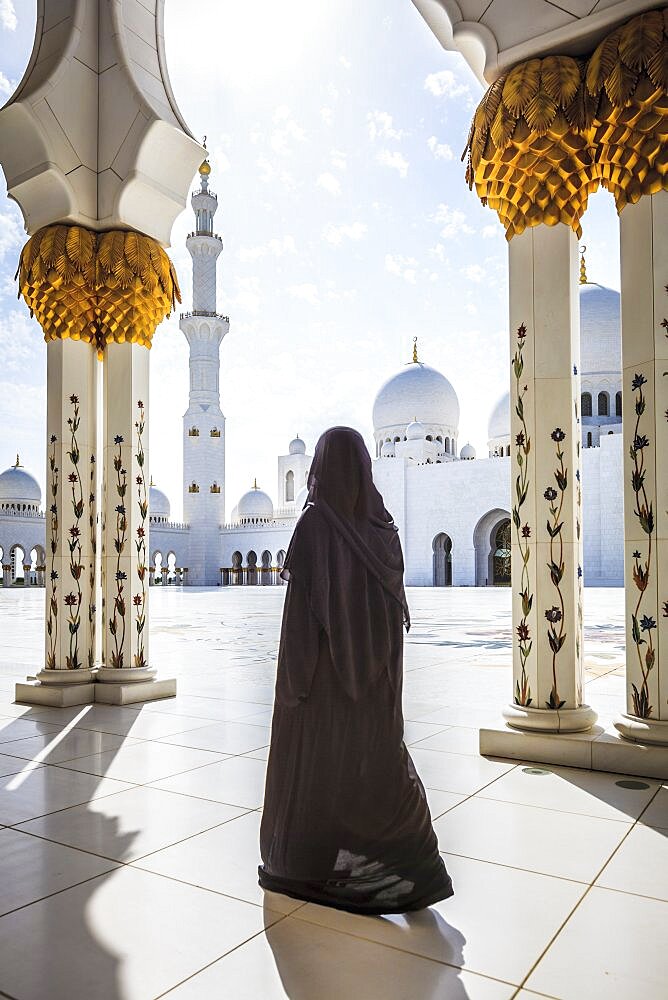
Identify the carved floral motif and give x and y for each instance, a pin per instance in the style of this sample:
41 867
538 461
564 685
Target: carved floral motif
52 600
523 531
556 629
139 599
117 622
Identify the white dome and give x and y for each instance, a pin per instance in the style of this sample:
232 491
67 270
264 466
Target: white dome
600 330
499 421
297 446
158 503
467 453
415 431
301 498
387 451
17 485
417 391
255 505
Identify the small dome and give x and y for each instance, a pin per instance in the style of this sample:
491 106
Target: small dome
205 168
255 505
467 453
158 503
415 431
417 388
302 497
387 451
499 421
17 485
297 446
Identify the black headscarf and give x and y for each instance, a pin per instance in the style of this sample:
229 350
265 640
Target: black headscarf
346 555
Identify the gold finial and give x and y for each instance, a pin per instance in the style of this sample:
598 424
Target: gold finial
583 266
151 483
255 485
18 464
415 353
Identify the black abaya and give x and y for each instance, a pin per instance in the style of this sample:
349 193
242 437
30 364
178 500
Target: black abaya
345 820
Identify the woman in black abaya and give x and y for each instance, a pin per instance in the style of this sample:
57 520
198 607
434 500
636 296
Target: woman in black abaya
345 821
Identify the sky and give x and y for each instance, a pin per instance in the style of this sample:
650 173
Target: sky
335 132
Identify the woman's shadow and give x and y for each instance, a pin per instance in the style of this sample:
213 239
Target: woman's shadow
312 966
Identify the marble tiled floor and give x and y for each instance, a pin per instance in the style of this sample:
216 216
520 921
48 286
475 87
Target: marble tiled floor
128 836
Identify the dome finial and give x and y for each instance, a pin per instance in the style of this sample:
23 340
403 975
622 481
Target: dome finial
151 483
255 485
415 353
18 463
583 266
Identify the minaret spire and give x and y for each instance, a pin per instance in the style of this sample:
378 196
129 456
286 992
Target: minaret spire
203 422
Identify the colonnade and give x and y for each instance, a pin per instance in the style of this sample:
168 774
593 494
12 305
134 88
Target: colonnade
546 135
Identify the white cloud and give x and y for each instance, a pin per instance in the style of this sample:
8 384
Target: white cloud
381 126
453 222
7 15
339 159
393 159
274 248
269 172
403 267
307 292
11 232
326 115
328 182
345 62
7 87
347 231
439 252
491 232
474 273
288 130
441 150
445 84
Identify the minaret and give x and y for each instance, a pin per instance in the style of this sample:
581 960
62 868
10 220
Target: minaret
203 421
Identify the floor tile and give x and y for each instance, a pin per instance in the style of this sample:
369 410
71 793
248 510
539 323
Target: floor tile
132 823
640 864
236 780
213 709
223 737
540 840
144 762
10 765
31 868
19 729
612 948
452 772
656 813
224 860
414 732
138 724
56 748
569 789
456 739
497 923
439 802
294 960
36 791
129 935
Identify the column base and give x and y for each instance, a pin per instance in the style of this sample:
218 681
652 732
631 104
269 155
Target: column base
642 730
545 720
127 686
58 688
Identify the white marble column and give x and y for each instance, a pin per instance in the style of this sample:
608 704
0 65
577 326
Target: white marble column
125 676
26 574
70 527
644 272
545 483
6 574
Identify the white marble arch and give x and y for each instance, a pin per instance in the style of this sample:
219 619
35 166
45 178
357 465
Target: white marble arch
483 543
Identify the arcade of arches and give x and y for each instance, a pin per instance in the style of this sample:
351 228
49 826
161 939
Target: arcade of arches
247 573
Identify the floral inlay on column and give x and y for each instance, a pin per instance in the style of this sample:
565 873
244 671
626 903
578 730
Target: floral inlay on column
117 621
578 533
91 578
642 626
73 599
52 603
556 633
523 448
139 600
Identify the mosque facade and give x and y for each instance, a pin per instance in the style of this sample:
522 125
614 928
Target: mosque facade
452 507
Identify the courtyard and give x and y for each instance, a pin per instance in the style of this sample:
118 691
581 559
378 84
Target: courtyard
129 835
